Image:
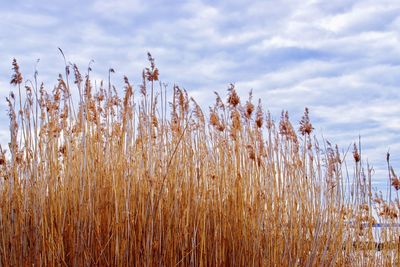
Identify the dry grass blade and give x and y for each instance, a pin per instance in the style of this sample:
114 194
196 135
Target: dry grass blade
117 182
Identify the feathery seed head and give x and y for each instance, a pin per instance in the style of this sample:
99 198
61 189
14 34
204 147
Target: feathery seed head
17 76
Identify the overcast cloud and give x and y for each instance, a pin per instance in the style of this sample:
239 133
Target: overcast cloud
339 58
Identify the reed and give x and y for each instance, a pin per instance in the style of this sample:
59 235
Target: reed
150 180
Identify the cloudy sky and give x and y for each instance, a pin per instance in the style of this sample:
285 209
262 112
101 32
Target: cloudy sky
340 58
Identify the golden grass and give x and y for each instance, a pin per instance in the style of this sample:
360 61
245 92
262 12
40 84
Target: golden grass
140 181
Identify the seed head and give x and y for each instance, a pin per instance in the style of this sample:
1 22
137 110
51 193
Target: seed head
152 72
395 180
249 109
236 123
17 76
259 115
305 124
249 106
214 120
233 98
356 155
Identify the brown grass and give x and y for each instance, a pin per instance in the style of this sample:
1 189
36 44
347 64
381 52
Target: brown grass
140 181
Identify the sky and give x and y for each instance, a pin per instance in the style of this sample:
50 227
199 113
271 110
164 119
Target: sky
339 58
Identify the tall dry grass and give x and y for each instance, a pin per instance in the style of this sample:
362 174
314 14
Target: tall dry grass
142 180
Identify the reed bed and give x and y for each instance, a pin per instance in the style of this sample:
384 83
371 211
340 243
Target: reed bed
149 179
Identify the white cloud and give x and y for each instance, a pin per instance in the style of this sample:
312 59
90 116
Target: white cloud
115 8
362 18
340 58
19 20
